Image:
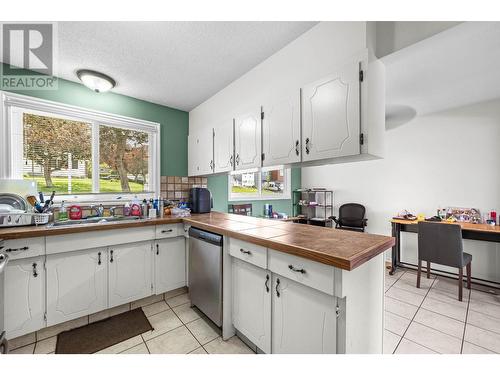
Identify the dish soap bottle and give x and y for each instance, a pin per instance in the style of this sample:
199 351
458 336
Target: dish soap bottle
63 214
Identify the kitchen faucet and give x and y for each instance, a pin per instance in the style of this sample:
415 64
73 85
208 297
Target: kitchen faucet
98 210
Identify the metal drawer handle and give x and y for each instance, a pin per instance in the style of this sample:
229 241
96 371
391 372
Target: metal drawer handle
35 273
267 283
167 231
231 161
17 249
277 286
307 146
157 249
297 147
111 260
99 258
296 269
245 251
237 159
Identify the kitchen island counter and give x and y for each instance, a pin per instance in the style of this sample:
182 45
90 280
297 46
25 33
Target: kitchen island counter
343 249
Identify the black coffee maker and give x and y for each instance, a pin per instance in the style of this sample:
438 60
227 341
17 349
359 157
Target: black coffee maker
200 200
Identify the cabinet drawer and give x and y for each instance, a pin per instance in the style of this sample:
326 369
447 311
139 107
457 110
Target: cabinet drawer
25 247
248 252
313 274
167 231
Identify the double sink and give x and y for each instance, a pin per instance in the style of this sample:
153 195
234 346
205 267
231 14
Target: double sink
94 220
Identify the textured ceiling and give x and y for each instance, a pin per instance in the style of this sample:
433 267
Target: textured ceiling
178 64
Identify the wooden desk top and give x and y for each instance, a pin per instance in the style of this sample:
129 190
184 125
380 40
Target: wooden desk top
465 226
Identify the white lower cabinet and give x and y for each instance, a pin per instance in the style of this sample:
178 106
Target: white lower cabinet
303 319
252 303
24 298
170 264
76 284
130 272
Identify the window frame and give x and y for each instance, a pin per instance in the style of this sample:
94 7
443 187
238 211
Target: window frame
13 104
240 197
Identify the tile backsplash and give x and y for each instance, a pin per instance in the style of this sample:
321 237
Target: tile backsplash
177 187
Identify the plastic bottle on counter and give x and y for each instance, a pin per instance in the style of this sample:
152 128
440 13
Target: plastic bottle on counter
126 209
63 214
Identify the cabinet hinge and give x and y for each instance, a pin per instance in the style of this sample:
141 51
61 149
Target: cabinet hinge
262 115
361 139
263 156
45 316
337 311
361 76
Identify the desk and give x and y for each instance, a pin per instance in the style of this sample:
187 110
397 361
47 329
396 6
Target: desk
479 232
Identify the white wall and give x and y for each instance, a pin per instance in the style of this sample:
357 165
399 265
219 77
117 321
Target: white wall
311 56
448 158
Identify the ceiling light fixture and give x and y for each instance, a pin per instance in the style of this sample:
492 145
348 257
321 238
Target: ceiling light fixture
96 81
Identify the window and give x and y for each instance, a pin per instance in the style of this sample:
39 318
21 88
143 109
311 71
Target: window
268 183
86 154
123 160
57 154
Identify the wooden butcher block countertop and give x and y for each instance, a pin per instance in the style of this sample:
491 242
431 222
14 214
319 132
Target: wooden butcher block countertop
339 248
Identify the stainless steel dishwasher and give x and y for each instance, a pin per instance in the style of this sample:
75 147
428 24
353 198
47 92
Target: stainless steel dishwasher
205 273
4 348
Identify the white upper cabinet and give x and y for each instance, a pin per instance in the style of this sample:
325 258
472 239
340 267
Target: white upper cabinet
200 152
130 272
247 142
224 146
281 129
76 284
331 115
24 303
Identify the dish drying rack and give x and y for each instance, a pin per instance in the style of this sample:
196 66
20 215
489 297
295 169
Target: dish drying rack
24 218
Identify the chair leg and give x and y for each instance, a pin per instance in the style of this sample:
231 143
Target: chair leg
460 283
419 271
428 269
469 274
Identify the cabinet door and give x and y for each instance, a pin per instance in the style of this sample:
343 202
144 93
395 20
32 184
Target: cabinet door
76 284
224 146
331 115
247 133
130 271
281 130
200 152
170 264
24 297
304 319
252 303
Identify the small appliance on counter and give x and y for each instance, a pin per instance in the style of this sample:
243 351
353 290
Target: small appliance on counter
200 200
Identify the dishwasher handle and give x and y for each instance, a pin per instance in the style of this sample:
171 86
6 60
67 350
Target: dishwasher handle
212 238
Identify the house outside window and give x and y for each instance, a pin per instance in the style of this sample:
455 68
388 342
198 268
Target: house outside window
267 183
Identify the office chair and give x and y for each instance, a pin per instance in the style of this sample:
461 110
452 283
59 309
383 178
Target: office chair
351 217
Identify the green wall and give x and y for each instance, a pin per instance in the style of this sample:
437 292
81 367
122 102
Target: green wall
174 123
219 188
174 133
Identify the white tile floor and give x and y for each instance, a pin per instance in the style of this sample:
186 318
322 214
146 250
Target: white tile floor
178 329
425 320
432 320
